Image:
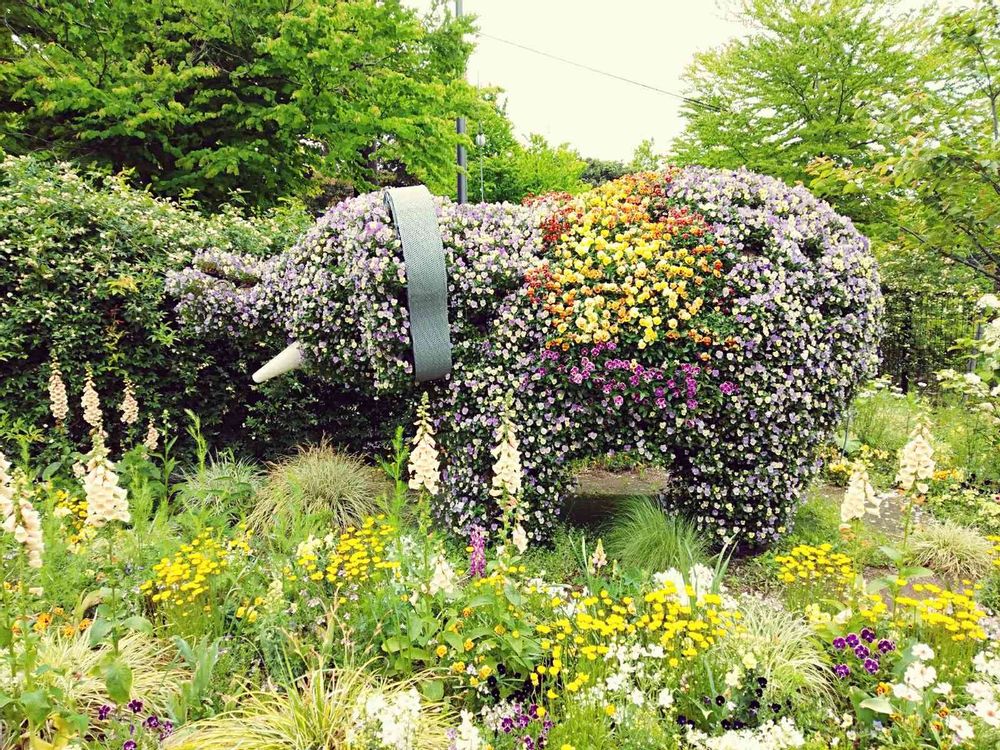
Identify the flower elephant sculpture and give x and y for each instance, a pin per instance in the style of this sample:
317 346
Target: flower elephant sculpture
712 322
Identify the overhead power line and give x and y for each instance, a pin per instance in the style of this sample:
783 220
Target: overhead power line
690 100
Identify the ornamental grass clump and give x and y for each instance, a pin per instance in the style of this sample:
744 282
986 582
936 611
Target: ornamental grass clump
335 488
643 537
780 646
326 710
713 322
224 487
952 551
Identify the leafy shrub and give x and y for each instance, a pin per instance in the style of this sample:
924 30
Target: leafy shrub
722 339
335 488
224 488
952 551
82 266
643 537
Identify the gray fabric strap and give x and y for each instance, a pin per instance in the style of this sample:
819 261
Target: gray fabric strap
413 213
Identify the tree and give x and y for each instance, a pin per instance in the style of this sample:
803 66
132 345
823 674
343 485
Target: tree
938 188
813 80
511 170
599 171
645 158
206 98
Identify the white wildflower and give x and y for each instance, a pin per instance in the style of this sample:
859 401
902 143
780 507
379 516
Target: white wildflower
106 500
988 711
906 692
129 406
665 699
519 538
152 437
922 651
58 400
860 497
920 676
507 462
18 516
916 461
91 403
424 462
598 559
960 728
443 578
467 735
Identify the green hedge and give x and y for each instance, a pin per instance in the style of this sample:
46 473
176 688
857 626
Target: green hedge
82 267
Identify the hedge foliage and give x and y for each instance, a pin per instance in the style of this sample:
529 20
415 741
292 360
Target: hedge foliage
82 267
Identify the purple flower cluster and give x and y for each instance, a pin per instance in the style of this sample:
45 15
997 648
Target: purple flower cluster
860 645
477 552
129 729
521 722
737 423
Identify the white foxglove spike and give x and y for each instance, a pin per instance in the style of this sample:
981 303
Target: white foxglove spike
290 358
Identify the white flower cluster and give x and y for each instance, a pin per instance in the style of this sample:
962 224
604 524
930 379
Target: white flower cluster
392 722
19 517
106 499
916 461
129 406
769 736
986 692
920 676
152 437
443 579
91 404
466 736
700 580
425 467
58 401
860 497
506 462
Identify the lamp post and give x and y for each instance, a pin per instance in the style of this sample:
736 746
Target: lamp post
480 142
463 196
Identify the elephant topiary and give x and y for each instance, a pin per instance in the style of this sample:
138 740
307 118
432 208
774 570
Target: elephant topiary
713 322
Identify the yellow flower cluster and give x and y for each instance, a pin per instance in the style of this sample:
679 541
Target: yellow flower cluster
72 508
955 614
577 644
181 583
996 549
808 565
355 556
625 264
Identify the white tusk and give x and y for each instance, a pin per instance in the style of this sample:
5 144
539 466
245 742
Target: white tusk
290 358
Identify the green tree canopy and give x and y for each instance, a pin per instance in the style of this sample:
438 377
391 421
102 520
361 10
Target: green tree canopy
206 98
936 190
813 79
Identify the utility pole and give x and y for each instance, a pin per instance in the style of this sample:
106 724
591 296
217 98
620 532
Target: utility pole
463 188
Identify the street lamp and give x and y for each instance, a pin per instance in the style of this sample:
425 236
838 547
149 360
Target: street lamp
480 142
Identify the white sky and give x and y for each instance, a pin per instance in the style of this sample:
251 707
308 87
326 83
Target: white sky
646 40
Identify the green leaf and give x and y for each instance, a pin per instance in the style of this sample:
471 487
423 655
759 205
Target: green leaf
878 705
99 630
139 624
433 690
36 706
118 680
